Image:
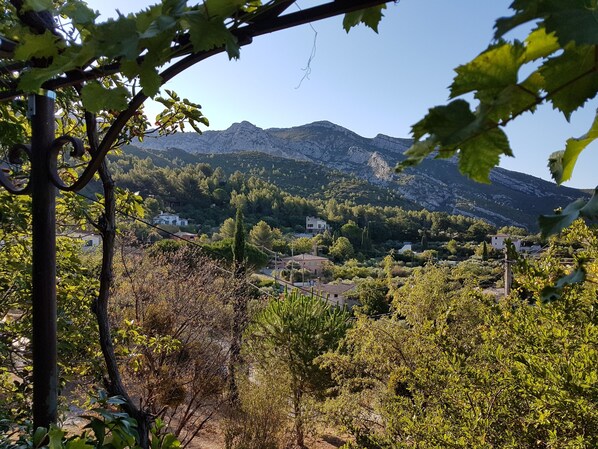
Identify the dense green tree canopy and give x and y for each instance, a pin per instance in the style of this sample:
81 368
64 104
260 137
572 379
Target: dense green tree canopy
262 235
342 249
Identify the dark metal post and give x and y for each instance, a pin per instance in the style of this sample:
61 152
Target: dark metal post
43 194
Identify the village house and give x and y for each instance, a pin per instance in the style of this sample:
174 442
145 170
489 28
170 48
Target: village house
314 264
336 293
499 242
169 219
407 246
315 225
89 240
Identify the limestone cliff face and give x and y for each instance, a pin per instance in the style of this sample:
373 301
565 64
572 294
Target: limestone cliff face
512 198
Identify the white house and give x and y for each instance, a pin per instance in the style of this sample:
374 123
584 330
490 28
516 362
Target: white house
407 246
315 225
498 242
170 219
89 240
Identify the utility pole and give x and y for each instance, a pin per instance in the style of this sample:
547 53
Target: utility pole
508 277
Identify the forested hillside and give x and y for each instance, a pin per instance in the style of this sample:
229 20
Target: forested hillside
511 198
208 195
300 178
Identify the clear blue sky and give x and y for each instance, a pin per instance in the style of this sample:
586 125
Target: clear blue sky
367 82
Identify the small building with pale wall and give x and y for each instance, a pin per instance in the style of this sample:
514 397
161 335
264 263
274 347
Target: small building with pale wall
165 218
185 235
89 240
314 264
336 293
315 225
499 241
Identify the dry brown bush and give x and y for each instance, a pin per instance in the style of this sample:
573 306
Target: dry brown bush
173 315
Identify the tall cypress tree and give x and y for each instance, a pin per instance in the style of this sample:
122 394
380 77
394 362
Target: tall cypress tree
239 309
239 244
424 241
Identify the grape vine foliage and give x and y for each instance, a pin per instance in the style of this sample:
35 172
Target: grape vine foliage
562 52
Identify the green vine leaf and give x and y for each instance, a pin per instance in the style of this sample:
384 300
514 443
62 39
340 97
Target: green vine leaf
158 26
38 5
78 443
150 79
555 223
540 44
97 98
455 127
39 435
571 78
571 20
445 122
222 8
555 165
208 34
55 436
79 13
478 156
494 69
561 163
554 292
116 38
38 46
33 79
174 8
370 17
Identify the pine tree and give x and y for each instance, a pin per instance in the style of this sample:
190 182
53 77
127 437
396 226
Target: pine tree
290 334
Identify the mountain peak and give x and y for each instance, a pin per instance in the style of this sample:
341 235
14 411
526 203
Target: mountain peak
242 125
328 125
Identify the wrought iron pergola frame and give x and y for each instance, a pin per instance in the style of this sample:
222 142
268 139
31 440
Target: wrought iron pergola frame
44 180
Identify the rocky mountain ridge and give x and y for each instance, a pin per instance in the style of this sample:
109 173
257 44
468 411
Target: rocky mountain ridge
512 197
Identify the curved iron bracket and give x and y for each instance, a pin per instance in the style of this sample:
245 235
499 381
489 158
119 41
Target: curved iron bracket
78 150
15 157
